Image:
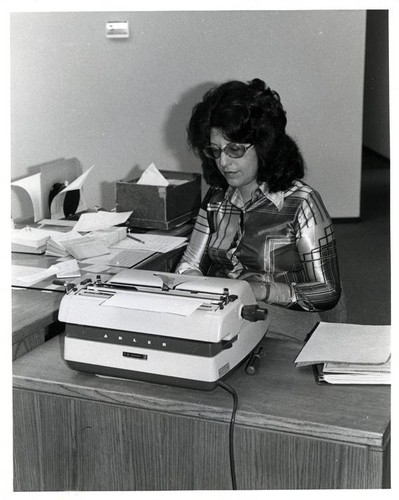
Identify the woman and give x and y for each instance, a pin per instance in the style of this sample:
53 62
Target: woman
259 222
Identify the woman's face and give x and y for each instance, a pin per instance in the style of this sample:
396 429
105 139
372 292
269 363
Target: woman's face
238 172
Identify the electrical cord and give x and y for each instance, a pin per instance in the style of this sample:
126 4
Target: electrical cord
230 389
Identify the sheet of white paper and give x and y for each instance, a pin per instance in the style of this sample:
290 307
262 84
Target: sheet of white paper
100 220
154 242
59 237
358 379
67 268
346 343
101 259
111 259
130 258
57 205
78 183
156 304
57 222
97 268
27 275
152 177
32 187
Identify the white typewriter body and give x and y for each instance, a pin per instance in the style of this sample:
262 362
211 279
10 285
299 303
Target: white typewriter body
174 329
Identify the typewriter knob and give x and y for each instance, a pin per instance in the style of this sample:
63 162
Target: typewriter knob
253 313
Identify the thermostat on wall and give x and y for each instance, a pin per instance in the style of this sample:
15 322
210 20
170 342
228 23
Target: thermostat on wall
117 29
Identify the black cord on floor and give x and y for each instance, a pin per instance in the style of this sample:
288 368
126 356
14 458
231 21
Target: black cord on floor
230 389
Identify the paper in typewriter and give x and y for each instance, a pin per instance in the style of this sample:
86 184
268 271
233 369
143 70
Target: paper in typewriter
155 303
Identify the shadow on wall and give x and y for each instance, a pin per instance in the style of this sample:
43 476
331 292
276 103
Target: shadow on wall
175 137
175 127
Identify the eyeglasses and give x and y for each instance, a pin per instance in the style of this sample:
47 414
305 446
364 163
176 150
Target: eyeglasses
232 150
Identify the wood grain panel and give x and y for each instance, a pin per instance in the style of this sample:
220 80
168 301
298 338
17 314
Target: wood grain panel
271 460
71 444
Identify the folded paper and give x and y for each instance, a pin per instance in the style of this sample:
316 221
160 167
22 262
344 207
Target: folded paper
152 177
57 204
31 185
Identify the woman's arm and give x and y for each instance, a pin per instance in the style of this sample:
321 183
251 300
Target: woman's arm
322 289
195 259
319 288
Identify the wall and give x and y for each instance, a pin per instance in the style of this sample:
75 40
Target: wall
122 104
376 87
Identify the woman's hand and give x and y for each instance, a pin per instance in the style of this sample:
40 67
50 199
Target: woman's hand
261 290
192 272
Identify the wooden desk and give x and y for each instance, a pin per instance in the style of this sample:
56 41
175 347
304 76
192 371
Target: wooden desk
75 431
33 311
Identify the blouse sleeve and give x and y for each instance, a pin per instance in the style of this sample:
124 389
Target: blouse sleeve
195 258
321 288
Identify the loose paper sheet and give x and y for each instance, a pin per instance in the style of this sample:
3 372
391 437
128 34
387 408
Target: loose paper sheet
152 177
153 242
32 187
27 275
346 343
111 259
57 204
67 269
100 220
57 222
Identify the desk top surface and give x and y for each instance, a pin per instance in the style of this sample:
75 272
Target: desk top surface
31 310
279 397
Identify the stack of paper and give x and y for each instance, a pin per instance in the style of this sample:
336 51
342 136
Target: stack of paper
356 373
95 242
29 240
56 245
349 354
85 247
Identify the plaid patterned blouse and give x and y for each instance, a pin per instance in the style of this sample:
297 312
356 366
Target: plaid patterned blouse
284 240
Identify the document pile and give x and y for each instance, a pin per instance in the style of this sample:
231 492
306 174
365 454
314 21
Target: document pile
99 230
29 240
84 246
57 245
349 354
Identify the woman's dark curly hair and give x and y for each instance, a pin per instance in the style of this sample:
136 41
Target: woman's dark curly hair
249 113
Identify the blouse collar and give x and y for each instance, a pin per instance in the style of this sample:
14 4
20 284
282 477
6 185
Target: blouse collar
234 196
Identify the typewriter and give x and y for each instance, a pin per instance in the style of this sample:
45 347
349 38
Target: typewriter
188 331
